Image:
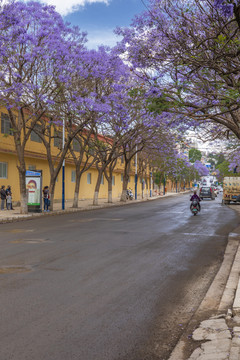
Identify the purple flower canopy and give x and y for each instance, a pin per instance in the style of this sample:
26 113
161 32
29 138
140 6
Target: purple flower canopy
201 168
225 7
45 66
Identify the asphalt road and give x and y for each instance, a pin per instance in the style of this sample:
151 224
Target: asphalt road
112 284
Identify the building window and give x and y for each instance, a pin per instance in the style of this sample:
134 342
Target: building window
122 177
113 180
5 124
32 167
34 135
91 148
57 139
122 159
89 178
76 145
57 176
73 178
3 170
102 180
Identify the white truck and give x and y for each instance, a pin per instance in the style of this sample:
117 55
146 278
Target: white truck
231 189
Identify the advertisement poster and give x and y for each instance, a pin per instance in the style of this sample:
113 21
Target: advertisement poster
33 185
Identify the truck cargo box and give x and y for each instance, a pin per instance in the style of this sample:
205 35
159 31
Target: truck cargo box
231 189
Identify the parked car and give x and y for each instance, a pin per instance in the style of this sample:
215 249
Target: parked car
207 192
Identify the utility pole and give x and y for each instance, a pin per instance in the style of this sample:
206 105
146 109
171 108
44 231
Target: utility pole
164 184
63 167
150 183
136 177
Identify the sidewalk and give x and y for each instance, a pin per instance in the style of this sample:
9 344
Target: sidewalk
84 205
217 337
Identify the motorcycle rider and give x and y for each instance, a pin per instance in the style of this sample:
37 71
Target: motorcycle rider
195 197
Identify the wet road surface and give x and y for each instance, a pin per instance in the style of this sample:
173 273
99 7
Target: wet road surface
112 284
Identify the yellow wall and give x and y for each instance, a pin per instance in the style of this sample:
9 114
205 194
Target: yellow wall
86 190
36 156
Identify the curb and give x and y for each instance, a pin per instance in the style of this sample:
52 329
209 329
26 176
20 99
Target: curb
91 207
229 300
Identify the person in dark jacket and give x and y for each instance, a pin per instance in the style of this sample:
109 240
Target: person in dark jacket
46 197
196 197
9 192
3 196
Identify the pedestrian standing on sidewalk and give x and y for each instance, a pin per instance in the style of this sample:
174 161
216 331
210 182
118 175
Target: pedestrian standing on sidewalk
9 202
9 192
3 196
46 197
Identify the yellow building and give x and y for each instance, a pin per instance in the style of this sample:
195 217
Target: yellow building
36 159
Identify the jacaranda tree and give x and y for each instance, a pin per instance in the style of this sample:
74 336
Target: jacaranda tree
188 53
34 56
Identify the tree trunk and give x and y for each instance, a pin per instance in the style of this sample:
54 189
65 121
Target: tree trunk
51 192
95 198
148 185
110 190
77 188
97 188
124 189
22 176
110 197
75 200
23 190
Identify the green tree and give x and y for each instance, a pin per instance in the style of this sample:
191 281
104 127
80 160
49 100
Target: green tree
220 159
158 177
194 155
223 169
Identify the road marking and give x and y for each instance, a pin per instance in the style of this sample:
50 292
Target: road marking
28 241
170 212
14 269
93 219
203 234
17 231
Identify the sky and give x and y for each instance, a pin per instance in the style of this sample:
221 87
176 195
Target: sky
99 17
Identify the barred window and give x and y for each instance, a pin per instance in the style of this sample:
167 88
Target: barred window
5 124
102 180
91 148
57 176
31 167
76 145
3 170
57 139
34 134
89 178
73 178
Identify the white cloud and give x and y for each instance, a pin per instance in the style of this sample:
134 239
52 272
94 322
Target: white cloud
101 37
65 7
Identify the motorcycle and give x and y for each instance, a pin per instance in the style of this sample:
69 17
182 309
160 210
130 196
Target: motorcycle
194 207
129 194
